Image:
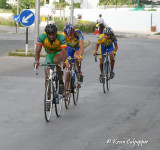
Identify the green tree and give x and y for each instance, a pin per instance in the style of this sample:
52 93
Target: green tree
61 5
77 5
14 10
115 2
3 3
27 4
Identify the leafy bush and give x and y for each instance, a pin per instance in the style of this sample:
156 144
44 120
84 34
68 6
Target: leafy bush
3 3
8 23
77 5
86 28
8 6
14 10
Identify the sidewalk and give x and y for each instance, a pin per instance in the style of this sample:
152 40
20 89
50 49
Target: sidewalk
126 34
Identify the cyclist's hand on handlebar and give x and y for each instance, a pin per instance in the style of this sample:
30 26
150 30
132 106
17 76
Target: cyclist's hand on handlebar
36 65
80 58
113 53
95 53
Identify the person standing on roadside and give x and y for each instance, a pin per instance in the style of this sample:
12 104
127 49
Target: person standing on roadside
101 24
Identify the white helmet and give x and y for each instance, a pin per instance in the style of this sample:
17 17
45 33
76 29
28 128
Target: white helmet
108 30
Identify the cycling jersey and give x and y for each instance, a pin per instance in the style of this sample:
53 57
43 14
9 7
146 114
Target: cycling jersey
56 46
74 43
104 41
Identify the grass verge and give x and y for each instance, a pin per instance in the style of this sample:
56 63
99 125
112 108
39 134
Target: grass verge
22 52
157 33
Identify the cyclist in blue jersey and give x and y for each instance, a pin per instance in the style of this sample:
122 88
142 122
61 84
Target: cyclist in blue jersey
107 40
75 49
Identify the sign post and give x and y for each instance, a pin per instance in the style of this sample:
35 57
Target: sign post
53 12
27 18
16 19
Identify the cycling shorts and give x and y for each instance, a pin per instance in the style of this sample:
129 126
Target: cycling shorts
103 49
71 51
50 58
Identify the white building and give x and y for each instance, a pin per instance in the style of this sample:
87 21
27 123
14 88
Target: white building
11 1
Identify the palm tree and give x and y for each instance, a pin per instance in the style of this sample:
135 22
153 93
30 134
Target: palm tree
61 5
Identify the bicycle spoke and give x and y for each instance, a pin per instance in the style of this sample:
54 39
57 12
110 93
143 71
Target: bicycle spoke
48 100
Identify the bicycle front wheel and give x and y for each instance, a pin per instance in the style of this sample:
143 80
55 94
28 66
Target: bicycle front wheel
104 77
58 100
108 76
67 95
75 89
48 100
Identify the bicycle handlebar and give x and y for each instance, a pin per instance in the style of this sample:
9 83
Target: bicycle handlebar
70 58
101 54
49 65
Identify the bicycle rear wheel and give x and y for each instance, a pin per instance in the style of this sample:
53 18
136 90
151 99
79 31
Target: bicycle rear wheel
108 76
104 77
58 100
67 95
48 100
75 87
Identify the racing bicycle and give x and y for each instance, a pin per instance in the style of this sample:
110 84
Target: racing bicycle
106 71
52 98
72 79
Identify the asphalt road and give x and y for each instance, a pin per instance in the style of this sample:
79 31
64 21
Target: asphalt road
10 41
118 120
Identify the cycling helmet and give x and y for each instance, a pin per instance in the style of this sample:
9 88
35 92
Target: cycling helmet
69 29
51 28
108 30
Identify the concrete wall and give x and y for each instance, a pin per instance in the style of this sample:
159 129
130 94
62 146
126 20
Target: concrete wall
120 19
124 20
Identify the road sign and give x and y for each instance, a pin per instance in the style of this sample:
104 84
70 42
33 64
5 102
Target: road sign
53 12
27 18
16 18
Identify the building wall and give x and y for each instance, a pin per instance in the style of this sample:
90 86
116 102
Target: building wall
118 19
123 20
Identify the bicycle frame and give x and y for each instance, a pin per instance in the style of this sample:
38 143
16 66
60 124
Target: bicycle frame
106 70
73 86
52 97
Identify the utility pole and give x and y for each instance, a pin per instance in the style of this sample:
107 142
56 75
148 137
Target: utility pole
71 12
37 21
17 29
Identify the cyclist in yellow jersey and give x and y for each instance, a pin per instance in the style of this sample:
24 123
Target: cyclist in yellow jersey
107 40
55 47
75 49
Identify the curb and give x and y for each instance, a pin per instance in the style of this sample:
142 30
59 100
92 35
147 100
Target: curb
31 52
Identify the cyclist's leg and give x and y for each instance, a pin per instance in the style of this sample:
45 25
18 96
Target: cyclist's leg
102 51
57 59
76 54
111 49
48 60
66 76
80 74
